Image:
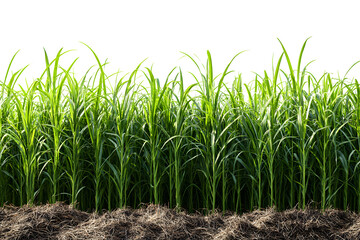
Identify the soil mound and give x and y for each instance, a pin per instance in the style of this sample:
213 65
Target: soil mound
60 221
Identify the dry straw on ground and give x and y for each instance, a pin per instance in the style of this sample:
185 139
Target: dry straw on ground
60 221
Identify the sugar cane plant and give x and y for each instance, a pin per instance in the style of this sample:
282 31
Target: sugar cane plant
201 141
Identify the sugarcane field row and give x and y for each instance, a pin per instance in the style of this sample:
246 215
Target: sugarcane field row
202 141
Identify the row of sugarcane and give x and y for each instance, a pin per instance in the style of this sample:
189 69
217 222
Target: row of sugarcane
285 139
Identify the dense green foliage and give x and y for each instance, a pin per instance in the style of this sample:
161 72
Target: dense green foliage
284 139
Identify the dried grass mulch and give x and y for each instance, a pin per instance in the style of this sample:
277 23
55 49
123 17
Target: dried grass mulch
60 221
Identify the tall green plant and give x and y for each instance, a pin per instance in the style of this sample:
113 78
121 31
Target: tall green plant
25 133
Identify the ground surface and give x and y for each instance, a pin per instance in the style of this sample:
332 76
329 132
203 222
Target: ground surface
59 221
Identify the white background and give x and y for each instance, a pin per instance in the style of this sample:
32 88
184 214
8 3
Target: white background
127 32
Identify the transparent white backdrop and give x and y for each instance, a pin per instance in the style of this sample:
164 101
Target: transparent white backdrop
127 32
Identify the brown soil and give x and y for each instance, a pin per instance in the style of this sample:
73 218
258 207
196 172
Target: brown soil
60 221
